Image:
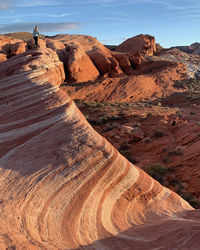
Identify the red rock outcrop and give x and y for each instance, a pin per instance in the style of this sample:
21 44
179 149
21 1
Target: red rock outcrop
16 49
152 79
3 57
63 186
11 46
100 56
128 62
191 61
144 44
195 48
80 66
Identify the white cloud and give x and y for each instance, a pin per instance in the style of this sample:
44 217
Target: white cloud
37 14
44 27
25 3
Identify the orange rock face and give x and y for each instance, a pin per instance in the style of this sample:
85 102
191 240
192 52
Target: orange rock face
100 56
80 66
11 46
63 186
151 80
141 43
3 57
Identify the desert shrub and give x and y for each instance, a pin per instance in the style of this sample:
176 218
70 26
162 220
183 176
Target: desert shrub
105 118
124 147
124 104
174 152
179 114
147 139
129 156
136 125
157 172
190 198
159 134
178 186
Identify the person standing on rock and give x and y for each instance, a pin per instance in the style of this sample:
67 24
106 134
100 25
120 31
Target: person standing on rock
36 34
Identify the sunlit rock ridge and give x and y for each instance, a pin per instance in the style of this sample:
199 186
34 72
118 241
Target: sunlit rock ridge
62 185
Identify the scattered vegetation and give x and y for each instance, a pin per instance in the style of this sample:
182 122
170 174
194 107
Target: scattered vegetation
192 85
129 155
190 198
158 172
147 140
106 113
159 134
165 177
104 119
175 152
179 114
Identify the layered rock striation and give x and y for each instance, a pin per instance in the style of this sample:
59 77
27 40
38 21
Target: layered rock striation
63 186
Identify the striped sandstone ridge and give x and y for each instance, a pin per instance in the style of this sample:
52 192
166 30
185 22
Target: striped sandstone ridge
62 185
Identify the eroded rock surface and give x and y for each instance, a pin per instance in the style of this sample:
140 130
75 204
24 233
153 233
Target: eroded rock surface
144 44
154 78
63 186
80 66
191 61
10 46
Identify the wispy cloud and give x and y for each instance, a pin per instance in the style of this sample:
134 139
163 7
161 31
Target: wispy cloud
44 27
38 14
35 3
5 4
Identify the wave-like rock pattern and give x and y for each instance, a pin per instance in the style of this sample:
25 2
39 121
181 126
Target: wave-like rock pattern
62 185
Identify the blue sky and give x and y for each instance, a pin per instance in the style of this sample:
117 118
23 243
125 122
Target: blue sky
172 22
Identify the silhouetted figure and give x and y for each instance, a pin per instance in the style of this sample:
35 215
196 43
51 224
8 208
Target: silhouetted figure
36 34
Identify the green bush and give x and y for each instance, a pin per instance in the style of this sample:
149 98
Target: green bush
129 155
159 134
157 172
190 198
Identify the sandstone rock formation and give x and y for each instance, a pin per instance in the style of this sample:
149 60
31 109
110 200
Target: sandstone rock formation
11 46
100 56
128 62
194 48
63 186
80 66
141 43
191 61
3 57
154 78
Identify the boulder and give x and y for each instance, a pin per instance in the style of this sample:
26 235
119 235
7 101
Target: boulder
3 57
101 57
105 62
144 44
195 48
11 46
134 133
124 62
80 66
17 48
